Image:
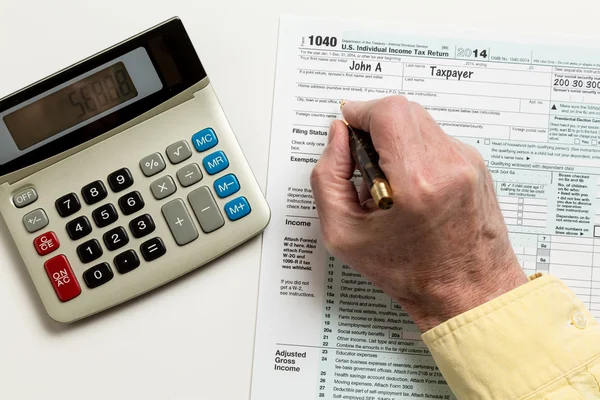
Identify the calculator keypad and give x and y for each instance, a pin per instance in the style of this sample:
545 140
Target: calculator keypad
131 203
94 192
120 180
79 228
89 251
182 217
68 205
153 249
115 238
98 275
105 215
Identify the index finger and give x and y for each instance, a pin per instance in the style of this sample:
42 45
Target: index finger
394 129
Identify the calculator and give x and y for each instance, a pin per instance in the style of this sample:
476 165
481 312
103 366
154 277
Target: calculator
121 173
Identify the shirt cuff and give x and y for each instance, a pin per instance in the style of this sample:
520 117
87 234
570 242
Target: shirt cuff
517 343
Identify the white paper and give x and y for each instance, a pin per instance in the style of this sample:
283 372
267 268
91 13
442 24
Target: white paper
532 110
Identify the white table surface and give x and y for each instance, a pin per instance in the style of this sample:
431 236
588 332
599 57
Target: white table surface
192 339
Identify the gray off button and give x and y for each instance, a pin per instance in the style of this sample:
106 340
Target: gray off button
180 222
206 209
25 197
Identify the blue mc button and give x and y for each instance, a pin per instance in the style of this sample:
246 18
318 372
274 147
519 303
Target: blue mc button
215 162
237 208
205 139
226 186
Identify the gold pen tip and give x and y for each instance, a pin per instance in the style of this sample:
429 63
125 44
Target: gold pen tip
342 103
382 194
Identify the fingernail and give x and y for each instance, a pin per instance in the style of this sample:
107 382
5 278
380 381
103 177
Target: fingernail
330 134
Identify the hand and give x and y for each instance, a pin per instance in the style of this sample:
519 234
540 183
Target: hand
443 248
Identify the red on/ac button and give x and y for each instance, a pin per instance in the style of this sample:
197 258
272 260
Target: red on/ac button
46 243
63 280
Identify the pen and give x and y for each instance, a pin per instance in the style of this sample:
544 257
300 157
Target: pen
367 159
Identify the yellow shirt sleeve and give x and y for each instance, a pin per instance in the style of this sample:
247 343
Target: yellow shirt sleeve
536 342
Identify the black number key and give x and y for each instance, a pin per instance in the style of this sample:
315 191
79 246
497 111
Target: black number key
131 203
127 261
120 180
115 238
94 192
68 205
153 249
89 251
98 275
142 226
79 227
105 215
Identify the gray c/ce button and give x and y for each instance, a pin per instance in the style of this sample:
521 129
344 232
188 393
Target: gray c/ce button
206 209
180 222
35 220
178 152
25 197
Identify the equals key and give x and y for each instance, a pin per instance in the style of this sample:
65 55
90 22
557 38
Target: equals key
153 249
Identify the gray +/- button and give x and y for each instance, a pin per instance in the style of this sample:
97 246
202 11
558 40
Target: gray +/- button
152 164
180 222
178 152
189 175
25 197
206 209
163 187
35 220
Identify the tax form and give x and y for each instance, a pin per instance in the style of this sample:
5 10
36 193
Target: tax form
532 110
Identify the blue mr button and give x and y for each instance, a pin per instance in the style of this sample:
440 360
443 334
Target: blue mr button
215 162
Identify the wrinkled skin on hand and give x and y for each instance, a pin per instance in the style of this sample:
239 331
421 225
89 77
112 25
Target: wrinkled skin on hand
443 248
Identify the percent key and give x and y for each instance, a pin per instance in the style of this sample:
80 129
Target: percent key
152 164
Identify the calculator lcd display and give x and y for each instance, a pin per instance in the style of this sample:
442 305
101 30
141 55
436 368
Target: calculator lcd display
70 105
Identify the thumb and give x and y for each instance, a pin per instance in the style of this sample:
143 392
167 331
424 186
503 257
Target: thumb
335 195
